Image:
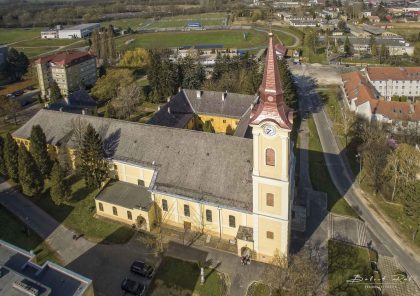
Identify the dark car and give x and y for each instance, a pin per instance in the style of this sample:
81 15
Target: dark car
142 269
133 287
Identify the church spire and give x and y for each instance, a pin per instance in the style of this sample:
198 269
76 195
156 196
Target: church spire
271 105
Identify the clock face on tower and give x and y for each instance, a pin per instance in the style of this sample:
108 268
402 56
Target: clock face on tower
269 130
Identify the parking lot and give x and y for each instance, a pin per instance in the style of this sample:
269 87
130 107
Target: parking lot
108 265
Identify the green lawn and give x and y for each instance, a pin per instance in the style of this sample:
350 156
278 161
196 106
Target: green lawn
32 52
176 277
320 177
287 40
229 38
14 231
259 289
133 23
46 42
344 262
14 35
78 214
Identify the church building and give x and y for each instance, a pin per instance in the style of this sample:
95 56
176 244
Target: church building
236 183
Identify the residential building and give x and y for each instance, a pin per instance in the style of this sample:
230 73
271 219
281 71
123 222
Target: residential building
358 31
281 51
374 19
237 187
77 102
304 22
396 46
395 81
79 31
3 54
20 275
69 69
363 99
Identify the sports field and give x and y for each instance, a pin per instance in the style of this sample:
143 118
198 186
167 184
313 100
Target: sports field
229 39
205 19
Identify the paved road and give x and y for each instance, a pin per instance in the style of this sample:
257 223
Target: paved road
56 235
341 176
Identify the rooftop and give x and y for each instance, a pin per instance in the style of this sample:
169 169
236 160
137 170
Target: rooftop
65 58
18 270
126 195
76 102
82 26
393 73
215 168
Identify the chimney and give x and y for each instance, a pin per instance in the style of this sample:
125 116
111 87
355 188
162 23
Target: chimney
179 89
66 99
84 112
158 108
61 109
168 99
224 95
198 94
169 110
47 105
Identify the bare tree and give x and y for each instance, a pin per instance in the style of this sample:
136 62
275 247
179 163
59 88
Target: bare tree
301 275
128 99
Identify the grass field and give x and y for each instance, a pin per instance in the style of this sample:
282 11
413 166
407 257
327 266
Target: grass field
78 214
230 39
46 42
15 35
344 262
177 277
14 232
32 52
287 40
133 23
320 176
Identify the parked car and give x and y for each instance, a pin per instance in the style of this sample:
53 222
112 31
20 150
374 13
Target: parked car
17 93
133 287
141 268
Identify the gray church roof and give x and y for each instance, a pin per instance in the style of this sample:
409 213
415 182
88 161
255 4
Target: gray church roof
214 168
187 102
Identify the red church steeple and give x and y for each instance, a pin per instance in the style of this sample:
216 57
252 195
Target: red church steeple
271 105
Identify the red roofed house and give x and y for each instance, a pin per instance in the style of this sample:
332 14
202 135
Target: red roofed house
69 69
281 51
363 99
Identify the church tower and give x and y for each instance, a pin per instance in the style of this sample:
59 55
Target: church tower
273 164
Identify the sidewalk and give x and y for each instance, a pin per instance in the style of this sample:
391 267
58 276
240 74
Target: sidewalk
58 237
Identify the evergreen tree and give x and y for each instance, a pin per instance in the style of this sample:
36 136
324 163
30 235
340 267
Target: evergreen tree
39 150
3 169
18 63
55 93
373 46
11 158
30 177
347 47
94 167
60 188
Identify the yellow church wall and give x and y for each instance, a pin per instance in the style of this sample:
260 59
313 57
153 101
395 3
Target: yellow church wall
281 198
224 125
132 174
274 143
268 247
122 215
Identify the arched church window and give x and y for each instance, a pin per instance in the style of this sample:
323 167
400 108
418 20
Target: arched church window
270 157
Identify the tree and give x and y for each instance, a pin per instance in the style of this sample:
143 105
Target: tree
94 166
342 25
411 203
373 46
311 40
300 275
11 158
107 86
127 100
193 73
9 108
347 47
384 54
137 58
103 45
110 111
374 156
55 93
3 169
208 127
403 163
30 177
18 63
39 150
60 188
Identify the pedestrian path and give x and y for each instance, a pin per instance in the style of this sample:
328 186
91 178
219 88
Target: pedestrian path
58 237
